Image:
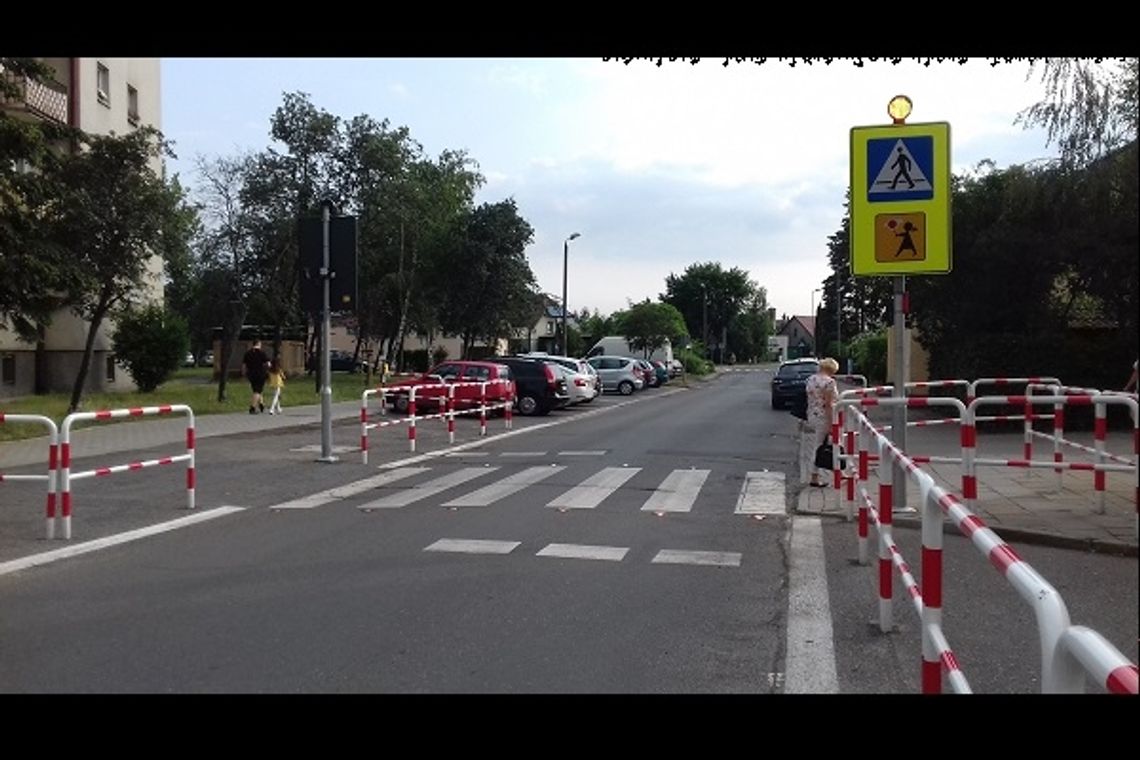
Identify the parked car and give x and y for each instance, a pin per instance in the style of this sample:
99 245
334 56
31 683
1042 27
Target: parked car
538 388
188 360
618 373
339 361
579 385
662 371
583 376
397 394
207 359
648 373
789 381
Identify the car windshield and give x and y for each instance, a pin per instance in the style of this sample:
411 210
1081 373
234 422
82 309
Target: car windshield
798 370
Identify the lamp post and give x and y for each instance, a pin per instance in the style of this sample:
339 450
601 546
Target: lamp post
565 262
705 319
814 327
838 324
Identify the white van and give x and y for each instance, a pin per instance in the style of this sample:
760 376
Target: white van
617 345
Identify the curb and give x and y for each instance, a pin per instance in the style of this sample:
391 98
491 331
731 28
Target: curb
1019 535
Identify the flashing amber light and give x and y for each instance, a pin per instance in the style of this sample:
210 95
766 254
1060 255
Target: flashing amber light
899 108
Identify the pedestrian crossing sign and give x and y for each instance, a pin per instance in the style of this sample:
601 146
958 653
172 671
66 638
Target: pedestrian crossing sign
900 199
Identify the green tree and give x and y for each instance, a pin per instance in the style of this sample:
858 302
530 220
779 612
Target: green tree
226 249
481 297
113 215
709 296
150 341
1090 106
648 325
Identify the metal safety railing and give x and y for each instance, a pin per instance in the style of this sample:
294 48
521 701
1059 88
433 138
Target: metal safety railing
67 476
445 403
52 463
1069 653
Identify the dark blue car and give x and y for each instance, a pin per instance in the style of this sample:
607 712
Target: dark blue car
789 381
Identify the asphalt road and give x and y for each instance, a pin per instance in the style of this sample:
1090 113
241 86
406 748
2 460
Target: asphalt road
597 550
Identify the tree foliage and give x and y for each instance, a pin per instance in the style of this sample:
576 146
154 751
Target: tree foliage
33 267
479 298
150 341
1090 106
710 297
113 216
648 325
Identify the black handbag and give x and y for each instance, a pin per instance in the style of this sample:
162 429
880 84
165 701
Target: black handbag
823 457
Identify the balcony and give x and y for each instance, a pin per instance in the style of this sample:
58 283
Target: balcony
42 100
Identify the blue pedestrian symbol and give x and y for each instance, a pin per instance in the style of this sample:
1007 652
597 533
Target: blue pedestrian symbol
904 169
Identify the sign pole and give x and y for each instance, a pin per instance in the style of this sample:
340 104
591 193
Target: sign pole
326 356
898 419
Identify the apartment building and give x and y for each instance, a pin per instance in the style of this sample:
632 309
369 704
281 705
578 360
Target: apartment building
100 96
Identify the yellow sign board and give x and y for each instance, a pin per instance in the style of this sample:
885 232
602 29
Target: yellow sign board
900 199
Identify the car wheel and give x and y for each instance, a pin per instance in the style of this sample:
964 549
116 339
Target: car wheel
401 404
528 405
625 387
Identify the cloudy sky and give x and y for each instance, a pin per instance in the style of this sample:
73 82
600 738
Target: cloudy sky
657 168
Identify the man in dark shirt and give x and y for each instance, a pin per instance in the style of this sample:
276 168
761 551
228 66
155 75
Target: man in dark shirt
255 366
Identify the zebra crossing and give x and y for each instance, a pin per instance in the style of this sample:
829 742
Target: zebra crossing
679 491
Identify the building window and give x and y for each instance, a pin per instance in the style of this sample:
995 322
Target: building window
8 369
132 105
110 372
103 84
549 328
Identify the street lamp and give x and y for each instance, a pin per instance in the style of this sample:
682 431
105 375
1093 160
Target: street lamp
565 261
814 326
705 319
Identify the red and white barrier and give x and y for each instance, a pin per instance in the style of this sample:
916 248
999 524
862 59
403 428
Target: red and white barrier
52 463
1099 401
66 476
1068 652
446 412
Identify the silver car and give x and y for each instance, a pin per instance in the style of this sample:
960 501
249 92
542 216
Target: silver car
617 373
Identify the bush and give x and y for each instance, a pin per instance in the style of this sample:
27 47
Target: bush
151 343
870 353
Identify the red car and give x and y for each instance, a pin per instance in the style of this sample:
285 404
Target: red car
439 377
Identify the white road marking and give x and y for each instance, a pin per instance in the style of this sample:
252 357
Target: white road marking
677 492
601 453
430 488
590 492
472 546
523 454
580 551
762 493
505 487
121 538
682 557
810 659
348 489
467 454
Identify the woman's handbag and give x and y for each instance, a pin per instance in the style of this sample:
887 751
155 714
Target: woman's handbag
823 457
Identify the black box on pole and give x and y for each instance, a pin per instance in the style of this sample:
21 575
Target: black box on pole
342 263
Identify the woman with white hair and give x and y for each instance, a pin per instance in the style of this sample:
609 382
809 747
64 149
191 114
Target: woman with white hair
822 394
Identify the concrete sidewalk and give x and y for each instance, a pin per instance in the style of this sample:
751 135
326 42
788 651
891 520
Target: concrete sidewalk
1018 503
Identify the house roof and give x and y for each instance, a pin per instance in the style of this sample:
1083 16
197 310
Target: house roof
806 323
